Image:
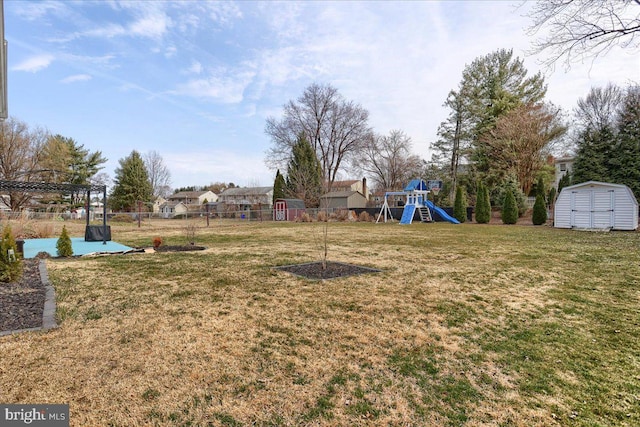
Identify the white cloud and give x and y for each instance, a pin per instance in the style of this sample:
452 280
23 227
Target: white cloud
222 85
153 25
76 78
201 168
35 63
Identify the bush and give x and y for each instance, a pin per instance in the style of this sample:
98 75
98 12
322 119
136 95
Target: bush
509 208
122 218
483 205
63 245
539 211
10 266
322 216
364 217
499 193
460 205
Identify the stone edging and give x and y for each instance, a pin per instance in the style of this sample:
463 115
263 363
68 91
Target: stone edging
49 312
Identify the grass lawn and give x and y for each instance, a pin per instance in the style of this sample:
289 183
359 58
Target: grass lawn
466 325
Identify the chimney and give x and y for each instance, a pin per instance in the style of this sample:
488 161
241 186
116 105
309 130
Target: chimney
364 187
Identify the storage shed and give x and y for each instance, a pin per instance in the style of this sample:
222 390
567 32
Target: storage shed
596 205
288 209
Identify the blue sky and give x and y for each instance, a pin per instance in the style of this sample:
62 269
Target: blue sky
196 80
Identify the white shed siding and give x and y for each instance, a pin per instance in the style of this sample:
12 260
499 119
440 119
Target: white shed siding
596 205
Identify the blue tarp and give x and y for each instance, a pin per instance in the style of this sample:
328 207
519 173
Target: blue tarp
34 246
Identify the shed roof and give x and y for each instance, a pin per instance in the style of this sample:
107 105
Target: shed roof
293 203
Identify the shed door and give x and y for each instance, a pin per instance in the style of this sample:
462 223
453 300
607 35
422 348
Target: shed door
280 210
581 209
603 201
592 209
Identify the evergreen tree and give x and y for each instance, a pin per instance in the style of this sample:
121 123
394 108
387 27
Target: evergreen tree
509 208
565 181
63 245
539 210
132 184
624 162
593 155
279 187
10 267
483 204
460 205
304 174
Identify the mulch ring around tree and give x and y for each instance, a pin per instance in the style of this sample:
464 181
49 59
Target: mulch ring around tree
333 270
179 248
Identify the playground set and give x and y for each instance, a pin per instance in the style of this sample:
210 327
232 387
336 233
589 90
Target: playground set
416 199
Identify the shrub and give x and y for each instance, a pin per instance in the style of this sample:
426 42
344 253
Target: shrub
322 216
539 211
122 218
305 217
10 266
340 215
63 245
483 205
509 208
364 217
460 205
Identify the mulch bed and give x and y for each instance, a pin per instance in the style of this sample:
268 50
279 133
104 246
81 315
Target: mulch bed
333 270
181 248
22 302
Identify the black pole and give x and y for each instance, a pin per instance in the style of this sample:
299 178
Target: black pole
104 215
88 205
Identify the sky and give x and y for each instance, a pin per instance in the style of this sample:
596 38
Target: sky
195 81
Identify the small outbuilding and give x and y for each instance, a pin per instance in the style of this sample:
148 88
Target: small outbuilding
596 205
288 209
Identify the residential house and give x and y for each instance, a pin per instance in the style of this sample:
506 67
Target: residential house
352 185
173 209
350 194
244 199
564 166
193 197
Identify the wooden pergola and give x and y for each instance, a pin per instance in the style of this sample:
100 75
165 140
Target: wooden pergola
47 187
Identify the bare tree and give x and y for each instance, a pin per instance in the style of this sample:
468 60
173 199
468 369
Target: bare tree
600 107
388 160
335 127
20 156
158 172
579 29
521 141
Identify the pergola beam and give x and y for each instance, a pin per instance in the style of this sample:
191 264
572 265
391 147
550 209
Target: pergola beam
48 187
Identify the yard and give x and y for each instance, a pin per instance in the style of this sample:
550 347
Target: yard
466 325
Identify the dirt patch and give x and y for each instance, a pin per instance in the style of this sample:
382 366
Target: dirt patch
332 270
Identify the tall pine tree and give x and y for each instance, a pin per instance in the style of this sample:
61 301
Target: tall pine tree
132 184
279 187
304 174
624 162
483 204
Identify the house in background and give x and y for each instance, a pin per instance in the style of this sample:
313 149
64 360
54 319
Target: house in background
350 194
564 166
245 199
343 200
173 209
193 197
352 185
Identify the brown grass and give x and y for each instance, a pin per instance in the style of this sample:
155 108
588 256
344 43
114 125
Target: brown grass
219 337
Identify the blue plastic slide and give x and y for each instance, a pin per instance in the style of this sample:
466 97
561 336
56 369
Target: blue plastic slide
439 212
407 214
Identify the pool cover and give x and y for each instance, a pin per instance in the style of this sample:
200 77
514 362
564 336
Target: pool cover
34 246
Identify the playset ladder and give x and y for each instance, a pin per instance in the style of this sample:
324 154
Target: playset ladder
425 214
